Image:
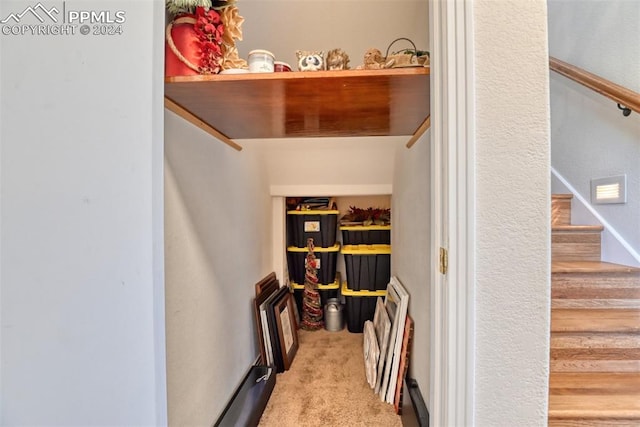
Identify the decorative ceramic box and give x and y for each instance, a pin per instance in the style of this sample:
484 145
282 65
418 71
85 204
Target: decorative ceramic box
261 61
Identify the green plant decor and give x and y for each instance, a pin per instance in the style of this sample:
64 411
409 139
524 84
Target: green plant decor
177 7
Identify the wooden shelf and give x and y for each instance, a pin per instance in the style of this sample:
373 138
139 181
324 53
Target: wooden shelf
349 103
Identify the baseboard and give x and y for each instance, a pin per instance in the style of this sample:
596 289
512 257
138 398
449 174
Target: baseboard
414 410
248 402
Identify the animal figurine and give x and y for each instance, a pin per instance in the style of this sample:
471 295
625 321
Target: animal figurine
310 60
337 59
373 60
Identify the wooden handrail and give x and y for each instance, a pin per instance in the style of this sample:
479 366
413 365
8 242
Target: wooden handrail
620 94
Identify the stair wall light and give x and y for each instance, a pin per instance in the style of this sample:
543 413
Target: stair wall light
612 189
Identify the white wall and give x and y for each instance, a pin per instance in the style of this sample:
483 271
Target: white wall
411 258
590 136
82 322
328 166
284 26
218 245
512 213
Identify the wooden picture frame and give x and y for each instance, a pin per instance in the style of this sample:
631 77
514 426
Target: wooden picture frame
286 327
267 283
407 340
264 289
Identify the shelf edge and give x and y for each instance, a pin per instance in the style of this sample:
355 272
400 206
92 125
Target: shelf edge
421 130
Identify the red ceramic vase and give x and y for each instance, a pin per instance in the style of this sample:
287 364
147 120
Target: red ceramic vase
182 51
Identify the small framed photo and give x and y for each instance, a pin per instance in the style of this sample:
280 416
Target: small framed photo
287 332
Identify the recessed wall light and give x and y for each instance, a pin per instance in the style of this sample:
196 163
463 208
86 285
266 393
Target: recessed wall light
612 189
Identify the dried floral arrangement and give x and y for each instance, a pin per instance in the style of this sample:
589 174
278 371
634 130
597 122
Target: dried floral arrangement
366 217
216 25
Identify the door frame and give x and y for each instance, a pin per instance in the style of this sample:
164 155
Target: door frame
451 388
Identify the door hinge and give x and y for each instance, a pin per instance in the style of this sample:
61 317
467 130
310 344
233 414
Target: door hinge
444 260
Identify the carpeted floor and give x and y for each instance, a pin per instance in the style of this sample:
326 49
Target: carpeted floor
326 386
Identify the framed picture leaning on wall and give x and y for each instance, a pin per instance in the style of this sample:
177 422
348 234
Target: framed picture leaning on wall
396 302
286 326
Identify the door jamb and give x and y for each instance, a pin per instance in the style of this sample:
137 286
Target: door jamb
451 388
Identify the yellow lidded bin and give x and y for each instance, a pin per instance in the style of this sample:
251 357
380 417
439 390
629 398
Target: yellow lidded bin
368 266
360 306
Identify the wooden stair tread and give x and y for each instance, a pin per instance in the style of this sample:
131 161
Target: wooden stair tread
593 406
594 361
590 267
579 365
593 422
577 228
562 196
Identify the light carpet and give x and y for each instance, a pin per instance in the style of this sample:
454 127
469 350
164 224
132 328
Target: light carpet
326 386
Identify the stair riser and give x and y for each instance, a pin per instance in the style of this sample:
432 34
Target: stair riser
571 383
595 320
560 211
594 340
583 286
584 352
575 246
611 304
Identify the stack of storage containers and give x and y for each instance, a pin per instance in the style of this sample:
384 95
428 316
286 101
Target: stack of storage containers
367 256
322 226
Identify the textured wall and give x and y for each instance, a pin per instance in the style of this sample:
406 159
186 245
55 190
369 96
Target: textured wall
512 213
411 258
590 136
82 300
218 245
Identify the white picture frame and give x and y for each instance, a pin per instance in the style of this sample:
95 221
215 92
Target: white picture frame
382 326
266 334
397 303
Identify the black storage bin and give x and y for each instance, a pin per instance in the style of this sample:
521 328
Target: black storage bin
327 257
366 235
368 266
319 225
326 292
360 306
